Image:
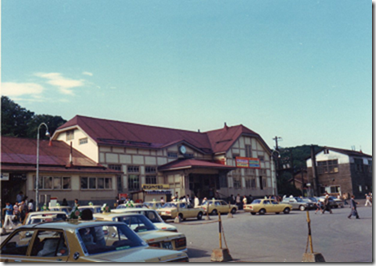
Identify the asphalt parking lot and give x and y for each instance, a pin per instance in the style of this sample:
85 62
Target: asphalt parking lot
283 238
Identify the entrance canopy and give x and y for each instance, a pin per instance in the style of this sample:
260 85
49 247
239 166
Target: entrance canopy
192 164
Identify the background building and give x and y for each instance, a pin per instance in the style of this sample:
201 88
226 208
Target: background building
230 160
341 171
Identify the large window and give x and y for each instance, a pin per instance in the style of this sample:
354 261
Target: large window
237 183
325 167
358 165
70 135
248 151
133 178
151 177
97 183
53 182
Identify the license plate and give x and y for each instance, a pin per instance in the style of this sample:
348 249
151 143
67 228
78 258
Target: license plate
167 245
163 213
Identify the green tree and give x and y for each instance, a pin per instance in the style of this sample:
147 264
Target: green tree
14 119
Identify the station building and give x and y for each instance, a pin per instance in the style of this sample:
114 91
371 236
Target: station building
64 172
218 163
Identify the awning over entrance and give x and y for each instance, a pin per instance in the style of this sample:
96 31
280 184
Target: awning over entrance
191 164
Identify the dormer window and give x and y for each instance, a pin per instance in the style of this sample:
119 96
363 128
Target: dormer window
70 135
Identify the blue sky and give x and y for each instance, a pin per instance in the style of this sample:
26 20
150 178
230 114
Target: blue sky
300 70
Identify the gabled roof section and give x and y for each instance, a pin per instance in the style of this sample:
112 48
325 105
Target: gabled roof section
347 152
110 132
23 152
117 133
222 139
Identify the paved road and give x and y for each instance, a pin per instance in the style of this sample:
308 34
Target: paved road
283 238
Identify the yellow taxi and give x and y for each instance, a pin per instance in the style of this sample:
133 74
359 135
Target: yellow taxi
152 215
263 206
171 210
147 230
54 215
130 205
77 241
215 206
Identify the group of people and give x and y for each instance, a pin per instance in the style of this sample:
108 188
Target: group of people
16 213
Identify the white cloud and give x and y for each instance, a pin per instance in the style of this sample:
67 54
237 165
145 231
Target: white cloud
65 85
87 73
18 89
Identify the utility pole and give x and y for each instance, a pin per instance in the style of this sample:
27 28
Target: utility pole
314 170
276 141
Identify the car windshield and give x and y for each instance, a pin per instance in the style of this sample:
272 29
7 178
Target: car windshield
256 201
108 238
152 216
138 223
299 200
54 216
169 205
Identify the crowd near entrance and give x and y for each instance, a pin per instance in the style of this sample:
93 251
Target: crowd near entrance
203 185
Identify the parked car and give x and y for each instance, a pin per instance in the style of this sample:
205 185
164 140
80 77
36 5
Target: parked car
57 215
125 205
298 203
184 210
152 215
216 206
74 242
66 209
147 230
333 202
263 206
153 204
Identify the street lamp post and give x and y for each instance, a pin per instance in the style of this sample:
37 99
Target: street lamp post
37 177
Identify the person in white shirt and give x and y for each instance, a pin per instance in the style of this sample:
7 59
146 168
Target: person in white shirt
30 206
197 202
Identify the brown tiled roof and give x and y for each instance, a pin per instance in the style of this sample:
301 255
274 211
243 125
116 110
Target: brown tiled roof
110 132
347 152
17 153
192 163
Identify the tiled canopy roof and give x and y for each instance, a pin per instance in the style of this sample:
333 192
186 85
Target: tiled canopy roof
192 163
110 132
21 153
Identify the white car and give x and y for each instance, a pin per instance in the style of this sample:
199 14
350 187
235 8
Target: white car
152 215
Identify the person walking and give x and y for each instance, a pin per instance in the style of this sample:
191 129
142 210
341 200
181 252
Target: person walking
238 202
244 201
368 201
318 206
8 216
353 204
19 197
197 202
327 205
30 206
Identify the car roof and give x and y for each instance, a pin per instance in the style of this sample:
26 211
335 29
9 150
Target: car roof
72 224
112 214
47 212
130 209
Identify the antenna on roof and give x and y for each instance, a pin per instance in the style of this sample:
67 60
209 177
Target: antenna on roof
226 127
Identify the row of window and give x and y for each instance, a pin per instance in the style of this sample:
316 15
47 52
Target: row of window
64 183
249 183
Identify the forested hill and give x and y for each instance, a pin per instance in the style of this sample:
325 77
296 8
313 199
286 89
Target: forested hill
18 122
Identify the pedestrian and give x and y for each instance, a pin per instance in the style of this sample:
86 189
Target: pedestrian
238 202
65 202
368 202
204 201
75 204
244 201
16 213
197 202
162 200
353 204
23 210
327 205
318 206
345 199
30 206
19 197
8 216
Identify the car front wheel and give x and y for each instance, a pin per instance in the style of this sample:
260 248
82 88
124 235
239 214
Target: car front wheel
286 211
199 216
302 208
262 211
214 212
233 211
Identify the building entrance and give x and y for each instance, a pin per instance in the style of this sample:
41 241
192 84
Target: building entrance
203 185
